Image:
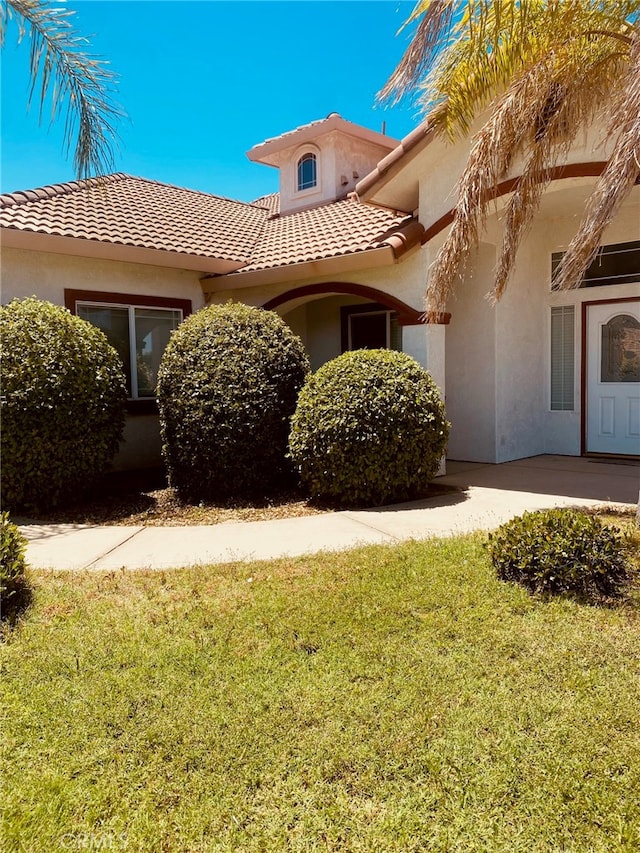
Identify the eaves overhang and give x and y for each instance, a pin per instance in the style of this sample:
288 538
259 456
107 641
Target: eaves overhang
380 257
40 242
390 184
395 247
266 152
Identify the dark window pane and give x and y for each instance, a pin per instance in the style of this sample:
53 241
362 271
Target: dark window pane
153 330
307 176
114 322
368 331
395 334
618 263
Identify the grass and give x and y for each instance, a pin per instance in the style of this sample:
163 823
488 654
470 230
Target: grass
382 699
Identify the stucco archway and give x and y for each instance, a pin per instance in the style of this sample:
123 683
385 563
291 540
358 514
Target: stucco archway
407 316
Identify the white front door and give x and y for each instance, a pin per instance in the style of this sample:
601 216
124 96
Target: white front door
613 378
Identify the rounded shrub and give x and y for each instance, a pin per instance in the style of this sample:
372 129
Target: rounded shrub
14 588
561 551
369 428
63 400
227 387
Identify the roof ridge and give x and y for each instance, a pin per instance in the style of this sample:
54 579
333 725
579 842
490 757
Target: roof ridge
54 190
68 187
265 195
189 190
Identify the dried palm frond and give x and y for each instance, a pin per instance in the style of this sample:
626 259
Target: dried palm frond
543 70
574 101
620 174
75 81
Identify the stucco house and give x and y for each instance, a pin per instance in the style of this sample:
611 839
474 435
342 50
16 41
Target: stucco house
342 252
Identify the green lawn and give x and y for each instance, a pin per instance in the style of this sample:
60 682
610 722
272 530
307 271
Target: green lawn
384 699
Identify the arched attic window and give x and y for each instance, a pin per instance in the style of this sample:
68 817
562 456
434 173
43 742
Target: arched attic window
307 171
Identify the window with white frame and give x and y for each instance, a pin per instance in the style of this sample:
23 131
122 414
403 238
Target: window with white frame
138 332
562 358
307 171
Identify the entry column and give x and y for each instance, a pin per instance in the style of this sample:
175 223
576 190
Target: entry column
426 343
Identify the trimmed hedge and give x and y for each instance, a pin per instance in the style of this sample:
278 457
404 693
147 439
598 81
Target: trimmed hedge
370 428
561 551
227 387
63 401
14 589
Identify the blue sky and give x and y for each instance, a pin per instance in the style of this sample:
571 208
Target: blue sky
202 82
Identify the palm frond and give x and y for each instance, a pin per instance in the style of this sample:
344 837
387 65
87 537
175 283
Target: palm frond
77 83
435 21
543 70
578 83
620 174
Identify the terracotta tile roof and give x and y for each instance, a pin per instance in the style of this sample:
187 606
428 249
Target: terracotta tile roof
271 202
138 212
330 230
124 210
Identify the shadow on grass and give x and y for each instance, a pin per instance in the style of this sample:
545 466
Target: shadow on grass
14 605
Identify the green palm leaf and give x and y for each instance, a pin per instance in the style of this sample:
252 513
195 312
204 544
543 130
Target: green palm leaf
78 85
536 73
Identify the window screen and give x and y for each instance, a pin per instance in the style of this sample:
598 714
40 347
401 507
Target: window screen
562 358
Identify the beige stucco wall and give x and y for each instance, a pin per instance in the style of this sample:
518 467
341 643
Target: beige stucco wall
341 161
439 165
45 274
559 431
25 273
498 359
405 280
470 359
317 319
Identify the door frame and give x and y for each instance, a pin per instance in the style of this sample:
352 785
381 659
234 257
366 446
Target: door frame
583 370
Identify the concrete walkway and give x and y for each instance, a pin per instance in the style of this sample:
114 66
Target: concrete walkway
488 495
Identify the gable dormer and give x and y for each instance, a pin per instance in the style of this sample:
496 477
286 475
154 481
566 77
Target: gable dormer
321 161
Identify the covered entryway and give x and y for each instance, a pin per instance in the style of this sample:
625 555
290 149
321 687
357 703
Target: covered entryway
612 377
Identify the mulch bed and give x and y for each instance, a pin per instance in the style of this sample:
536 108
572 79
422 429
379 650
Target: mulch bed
143 498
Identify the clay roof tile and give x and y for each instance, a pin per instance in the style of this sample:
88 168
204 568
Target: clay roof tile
138 212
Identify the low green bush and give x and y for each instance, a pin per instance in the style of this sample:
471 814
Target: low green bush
14 589
369 428
561 551
227 387
63 399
